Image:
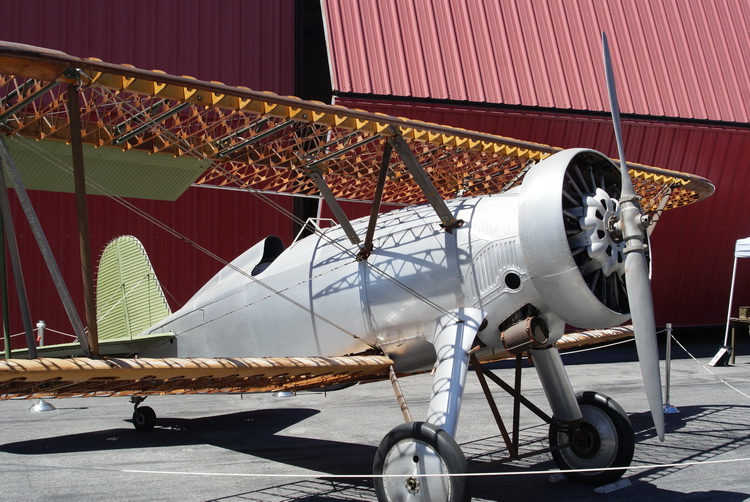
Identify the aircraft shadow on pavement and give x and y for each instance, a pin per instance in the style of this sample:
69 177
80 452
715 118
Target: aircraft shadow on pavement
697 433
253 432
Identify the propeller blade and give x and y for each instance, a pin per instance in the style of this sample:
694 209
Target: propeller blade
636 267
627 183
642 313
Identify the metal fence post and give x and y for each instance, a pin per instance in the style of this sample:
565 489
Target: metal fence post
668 408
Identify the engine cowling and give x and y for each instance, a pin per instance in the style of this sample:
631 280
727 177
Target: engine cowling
568 202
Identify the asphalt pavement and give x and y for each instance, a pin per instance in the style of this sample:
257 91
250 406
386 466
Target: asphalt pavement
320 446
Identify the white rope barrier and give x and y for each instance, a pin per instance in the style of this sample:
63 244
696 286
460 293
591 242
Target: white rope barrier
470 474
373 476
47 328
708 370
61 333
630 340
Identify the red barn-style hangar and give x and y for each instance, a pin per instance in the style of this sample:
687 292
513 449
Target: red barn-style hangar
529 70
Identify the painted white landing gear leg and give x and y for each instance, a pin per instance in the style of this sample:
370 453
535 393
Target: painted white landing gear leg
414 449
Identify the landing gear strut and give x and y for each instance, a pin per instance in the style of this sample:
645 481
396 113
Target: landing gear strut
599 437
144 417
421 460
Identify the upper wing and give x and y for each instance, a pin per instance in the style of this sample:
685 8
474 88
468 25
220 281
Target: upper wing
83 377
232 136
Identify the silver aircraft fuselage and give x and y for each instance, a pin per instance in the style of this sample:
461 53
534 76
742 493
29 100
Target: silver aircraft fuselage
317 298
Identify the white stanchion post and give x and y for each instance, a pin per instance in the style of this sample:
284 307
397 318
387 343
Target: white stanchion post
40 333
668 408
41 404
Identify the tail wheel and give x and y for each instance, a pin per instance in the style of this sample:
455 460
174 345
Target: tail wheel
604 439
144 418
414 449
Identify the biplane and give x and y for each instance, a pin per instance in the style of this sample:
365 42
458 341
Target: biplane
497 246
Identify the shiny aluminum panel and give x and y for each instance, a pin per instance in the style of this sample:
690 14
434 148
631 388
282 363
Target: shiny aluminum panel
692 246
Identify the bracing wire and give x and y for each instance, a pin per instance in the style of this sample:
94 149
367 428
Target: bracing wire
140 212
244 187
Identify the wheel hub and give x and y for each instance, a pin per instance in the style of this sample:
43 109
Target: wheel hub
413 457
586 441
419 461
412 485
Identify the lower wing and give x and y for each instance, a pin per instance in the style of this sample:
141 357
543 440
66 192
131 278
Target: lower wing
83 377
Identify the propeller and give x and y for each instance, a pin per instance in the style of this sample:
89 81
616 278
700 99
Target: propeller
636 266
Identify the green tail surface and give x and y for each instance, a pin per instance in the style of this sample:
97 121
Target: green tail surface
129 298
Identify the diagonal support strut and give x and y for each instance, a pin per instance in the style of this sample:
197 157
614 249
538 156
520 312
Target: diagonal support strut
335 207
376 201
79 179
36 228
449 222
15 260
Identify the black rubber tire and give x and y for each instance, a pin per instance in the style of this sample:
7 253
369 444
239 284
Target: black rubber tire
411 446
144 418
607 440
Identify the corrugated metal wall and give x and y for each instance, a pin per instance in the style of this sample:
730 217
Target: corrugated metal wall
238 42
692 246
680 65
675 58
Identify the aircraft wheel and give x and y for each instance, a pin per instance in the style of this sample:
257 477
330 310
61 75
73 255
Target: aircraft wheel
144 418
420 448
605 439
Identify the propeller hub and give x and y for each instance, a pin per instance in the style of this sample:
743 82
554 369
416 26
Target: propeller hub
600 224
632 225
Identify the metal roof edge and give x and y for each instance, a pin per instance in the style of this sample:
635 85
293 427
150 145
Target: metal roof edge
386 98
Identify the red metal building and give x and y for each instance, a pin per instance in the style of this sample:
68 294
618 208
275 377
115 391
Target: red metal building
533 70
523 69
238 42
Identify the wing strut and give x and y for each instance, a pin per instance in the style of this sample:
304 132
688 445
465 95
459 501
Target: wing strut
659 209
449 222
15 259
79 177
377 199
334 205
46 251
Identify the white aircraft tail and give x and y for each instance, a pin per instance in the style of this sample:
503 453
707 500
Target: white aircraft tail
129 297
